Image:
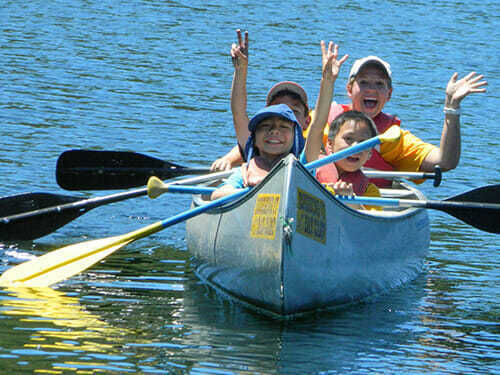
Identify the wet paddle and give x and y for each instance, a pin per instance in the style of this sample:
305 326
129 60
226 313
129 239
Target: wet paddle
110 170
33 215
65 262
479 207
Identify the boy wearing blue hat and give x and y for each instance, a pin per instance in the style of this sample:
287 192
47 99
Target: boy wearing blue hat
274 133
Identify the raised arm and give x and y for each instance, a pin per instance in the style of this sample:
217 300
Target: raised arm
447 155
330 70
239 54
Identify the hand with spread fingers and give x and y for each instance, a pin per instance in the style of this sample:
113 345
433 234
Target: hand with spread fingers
447 156
456 90
331 66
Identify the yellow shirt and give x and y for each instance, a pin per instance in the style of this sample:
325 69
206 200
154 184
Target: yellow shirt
372 191
405 155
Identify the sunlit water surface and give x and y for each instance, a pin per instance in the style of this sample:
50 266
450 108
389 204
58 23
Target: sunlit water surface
154 77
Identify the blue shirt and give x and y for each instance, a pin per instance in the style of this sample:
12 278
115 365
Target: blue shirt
235 179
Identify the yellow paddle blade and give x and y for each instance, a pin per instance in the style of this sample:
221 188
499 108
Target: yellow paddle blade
70 260
61 264
156 187
390 135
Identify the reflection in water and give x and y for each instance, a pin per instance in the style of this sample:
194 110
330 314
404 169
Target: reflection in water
455 330
210 333
59 325
119 75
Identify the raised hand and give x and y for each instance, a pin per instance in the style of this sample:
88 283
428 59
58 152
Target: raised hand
239 52
331 66
456 90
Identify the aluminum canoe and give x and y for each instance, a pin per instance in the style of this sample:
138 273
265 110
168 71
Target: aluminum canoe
289 247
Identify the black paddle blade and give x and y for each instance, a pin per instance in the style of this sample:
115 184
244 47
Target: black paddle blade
479 207
484 194
110 170
22 220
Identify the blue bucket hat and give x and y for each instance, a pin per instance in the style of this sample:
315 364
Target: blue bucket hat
280 110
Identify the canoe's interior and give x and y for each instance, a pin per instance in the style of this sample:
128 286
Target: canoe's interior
398 190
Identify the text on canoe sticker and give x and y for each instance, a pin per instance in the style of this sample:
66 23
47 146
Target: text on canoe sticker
265 215
311 216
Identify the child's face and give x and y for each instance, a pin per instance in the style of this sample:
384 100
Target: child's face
350 133
274 137
370 91
296 106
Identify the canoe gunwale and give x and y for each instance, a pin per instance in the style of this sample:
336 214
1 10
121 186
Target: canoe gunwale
389 213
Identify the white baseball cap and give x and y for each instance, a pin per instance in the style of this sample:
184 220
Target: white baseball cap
360 63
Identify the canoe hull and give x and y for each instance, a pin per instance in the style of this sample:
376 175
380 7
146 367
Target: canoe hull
289 247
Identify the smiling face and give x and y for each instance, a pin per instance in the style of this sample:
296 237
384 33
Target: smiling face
350 133
274 137
369 91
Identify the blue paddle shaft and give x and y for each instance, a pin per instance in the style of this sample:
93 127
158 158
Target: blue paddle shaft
373 201
365 145
200 209
190 189
369 143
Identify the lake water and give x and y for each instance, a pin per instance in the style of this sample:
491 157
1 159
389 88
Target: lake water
154 77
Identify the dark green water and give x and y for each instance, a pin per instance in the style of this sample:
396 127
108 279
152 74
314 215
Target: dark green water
154 77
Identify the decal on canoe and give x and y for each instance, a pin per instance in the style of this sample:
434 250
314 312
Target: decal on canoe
265 215
311 216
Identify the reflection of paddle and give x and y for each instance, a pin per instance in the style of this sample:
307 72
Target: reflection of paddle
69 318
482 213
109 170
62 263
33 215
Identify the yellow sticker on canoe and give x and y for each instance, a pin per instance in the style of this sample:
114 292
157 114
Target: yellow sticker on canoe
311 216
265 216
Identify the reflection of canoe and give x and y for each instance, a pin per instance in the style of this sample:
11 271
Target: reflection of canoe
289 247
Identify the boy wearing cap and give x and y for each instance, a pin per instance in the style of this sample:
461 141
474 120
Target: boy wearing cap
370 88
286 92
274 133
